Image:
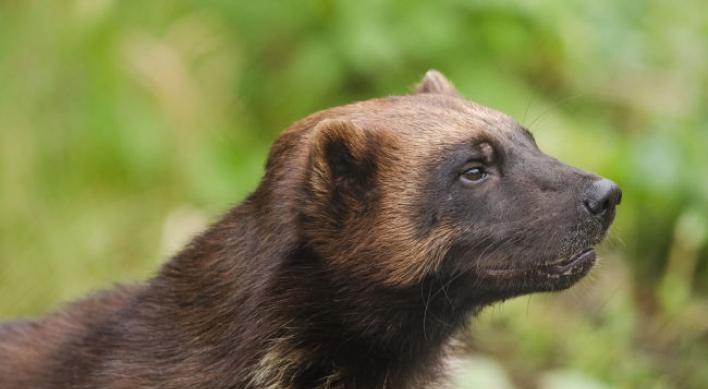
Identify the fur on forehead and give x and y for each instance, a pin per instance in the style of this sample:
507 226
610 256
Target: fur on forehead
429 120
435 114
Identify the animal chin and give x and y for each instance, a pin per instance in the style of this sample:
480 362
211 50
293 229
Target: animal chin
566 270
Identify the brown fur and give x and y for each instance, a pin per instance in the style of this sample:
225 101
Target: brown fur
377 230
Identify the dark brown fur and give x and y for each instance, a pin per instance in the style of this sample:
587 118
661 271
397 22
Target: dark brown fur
362 253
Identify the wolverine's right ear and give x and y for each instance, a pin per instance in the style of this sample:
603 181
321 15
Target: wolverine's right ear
341 166
435 82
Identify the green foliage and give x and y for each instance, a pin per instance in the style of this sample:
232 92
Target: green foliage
127 126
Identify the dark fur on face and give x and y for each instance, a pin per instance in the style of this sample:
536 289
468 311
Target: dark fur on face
378 229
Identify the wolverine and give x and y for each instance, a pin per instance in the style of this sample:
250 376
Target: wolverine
378 230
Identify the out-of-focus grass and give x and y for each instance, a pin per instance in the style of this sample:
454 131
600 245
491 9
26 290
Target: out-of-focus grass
107 128
125 127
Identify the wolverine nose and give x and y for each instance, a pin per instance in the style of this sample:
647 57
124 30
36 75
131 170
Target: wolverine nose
602 197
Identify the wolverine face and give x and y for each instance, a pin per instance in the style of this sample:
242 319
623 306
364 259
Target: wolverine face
409 187
525 221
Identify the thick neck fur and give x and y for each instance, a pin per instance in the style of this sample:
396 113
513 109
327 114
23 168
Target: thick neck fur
301 323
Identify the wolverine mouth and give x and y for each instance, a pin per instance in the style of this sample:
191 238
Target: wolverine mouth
569 269
579 263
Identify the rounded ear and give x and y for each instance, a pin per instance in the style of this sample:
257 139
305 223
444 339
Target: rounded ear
340 163
435 82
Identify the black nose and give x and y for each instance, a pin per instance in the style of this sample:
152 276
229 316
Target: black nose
602 197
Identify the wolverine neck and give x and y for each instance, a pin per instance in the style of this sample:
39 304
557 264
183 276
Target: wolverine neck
344 329
305 324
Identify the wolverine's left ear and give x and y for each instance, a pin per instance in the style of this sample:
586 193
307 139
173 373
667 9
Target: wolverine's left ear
341 164
435 82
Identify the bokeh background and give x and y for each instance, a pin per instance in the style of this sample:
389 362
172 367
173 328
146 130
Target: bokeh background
127 126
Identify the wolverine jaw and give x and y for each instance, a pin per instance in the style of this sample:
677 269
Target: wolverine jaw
557 275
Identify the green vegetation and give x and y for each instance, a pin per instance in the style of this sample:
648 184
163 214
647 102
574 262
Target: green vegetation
127 126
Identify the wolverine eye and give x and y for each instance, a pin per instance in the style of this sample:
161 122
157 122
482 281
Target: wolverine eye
474 175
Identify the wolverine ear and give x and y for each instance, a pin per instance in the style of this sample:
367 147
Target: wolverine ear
340 164
435 82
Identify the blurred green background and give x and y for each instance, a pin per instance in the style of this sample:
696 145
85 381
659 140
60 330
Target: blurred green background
127 126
